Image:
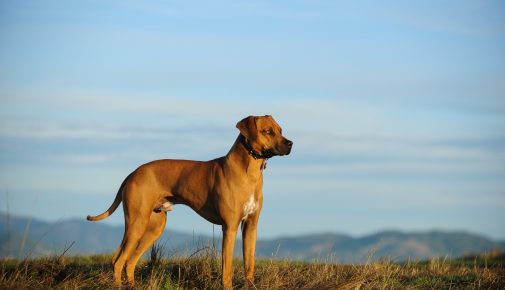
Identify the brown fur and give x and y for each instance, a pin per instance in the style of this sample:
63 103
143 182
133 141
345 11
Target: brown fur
226 191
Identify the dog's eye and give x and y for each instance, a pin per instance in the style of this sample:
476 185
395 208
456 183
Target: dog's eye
269 132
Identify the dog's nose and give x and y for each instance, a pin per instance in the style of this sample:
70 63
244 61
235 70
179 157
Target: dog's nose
289 143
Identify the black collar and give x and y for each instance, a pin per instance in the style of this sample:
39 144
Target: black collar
250 150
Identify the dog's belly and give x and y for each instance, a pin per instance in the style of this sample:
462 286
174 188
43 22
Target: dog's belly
213 218
207 211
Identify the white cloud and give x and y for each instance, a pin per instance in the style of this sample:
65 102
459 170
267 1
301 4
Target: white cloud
85 159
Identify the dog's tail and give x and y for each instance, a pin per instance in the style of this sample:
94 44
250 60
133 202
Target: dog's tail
113 207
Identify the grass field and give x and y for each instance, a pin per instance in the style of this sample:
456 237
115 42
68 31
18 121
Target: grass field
202 271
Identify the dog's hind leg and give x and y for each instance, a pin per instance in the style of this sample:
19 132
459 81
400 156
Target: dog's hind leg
118 251
133 233
154 230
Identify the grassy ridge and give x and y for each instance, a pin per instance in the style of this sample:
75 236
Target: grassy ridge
202 271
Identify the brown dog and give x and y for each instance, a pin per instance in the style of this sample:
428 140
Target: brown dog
226 191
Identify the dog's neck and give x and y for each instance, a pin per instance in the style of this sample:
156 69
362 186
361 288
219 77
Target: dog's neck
250 149
239 155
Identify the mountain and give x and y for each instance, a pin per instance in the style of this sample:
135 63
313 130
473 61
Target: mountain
395 245
22 236
43 238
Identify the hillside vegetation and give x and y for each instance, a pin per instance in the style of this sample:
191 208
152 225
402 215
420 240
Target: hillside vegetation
24 236
202 271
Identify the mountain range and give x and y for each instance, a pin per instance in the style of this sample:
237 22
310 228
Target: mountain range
22 237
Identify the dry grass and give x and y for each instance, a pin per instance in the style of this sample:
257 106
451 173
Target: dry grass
202 271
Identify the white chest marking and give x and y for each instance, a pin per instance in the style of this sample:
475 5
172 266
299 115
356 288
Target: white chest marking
250 206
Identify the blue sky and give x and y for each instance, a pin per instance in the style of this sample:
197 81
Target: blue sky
396 109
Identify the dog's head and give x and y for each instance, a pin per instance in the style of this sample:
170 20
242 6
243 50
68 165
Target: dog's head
264 136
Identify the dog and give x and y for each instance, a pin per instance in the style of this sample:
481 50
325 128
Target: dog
226 191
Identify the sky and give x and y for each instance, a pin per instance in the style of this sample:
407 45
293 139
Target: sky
396 108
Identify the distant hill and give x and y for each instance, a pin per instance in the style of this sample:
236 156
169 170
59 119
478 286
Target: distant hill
22 236
395 245
43 238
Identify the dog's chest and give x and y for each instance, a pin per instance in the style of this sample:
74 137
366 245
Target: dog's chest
250 206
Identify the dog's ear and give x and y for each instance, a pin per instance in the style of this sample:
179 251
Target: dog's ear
247 127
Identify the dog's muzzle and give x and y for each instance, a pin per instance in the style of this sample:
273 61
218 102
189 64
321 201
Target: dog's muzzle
284 148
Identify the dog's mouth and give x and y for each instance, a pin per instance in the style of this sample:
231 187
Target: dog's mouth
271 152
285 152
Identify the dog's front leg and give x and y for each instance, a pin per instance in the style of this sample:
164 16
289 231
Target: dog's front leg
229 234
249 233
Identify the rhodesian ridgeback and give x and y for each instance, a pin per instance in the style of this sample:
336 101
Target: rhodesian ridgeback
226 191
